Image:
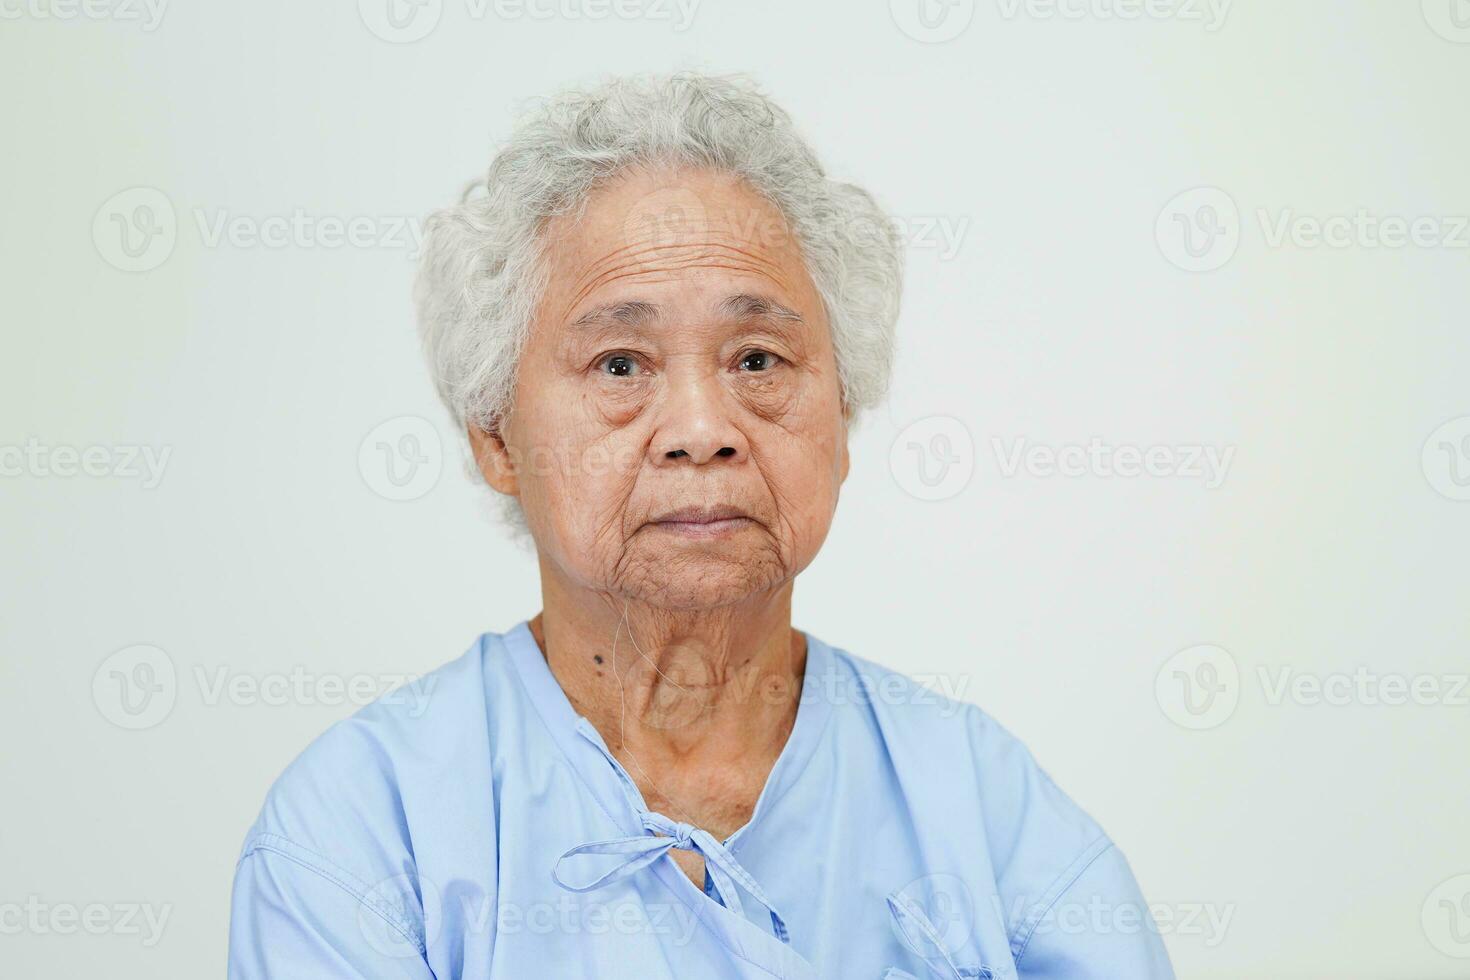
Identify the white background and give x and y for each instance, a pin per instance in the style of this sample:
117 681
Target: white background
1047 144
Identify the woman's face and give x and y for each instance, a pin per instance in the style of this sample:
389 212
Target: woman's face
680 360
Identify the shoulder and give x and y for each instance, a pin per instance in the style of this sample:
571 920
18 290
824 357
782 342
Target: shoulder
927 721
344 806
1042 846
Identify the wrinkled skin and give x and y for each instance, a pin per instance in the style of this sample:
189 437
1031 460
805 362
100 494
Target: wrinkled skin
681 355
750 397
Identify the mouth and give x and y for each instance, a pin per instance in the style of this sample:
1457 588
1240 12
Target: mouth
703 522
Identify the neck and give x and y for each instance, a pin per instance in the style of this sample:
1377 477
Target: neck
676 688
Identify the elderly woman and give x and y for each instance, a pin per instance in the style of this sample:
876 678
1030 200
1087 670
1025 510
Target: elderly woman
656 324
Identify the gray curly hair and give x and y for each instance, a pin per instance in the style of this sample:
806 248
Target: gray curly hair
482 268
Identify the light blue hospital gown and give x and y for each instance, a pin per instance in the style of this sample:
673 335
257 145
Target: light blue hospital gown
475 826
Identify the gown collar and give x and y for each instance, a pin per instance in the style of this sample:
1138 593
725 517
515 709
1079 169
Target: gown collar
606 778
648 835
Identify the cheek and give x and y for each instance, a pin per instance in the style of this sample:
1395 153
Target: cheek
805 486
576 475
802 464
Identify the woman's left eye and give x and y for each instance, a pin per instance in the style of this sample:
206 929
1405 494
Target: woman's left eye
758 360
619 365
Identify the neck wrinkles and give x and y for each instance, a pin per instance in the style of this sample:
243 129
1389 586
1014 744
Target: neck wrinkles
678 686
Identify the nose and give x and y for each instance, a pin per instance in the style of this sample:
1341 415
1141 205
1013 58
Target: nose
696 425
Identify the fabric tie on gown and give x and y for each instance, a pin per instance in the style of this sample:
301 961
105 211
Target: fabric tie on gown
725 873
664 834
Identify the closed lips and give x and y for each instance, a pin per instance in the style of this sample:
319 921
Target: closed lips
700 515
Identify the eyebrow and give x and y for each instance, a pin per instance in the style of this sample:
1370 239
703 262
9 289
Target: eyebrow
741 306
629 314
747 307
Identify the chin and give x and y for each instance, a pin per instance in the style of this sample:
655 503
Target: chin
687 582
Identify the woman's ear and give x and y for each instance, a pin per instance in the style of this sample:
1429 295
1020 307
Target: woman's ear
494 459
844 459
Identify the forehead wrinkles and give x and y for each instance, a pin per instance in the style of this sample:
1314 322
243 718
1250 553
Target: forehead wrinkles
664 261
